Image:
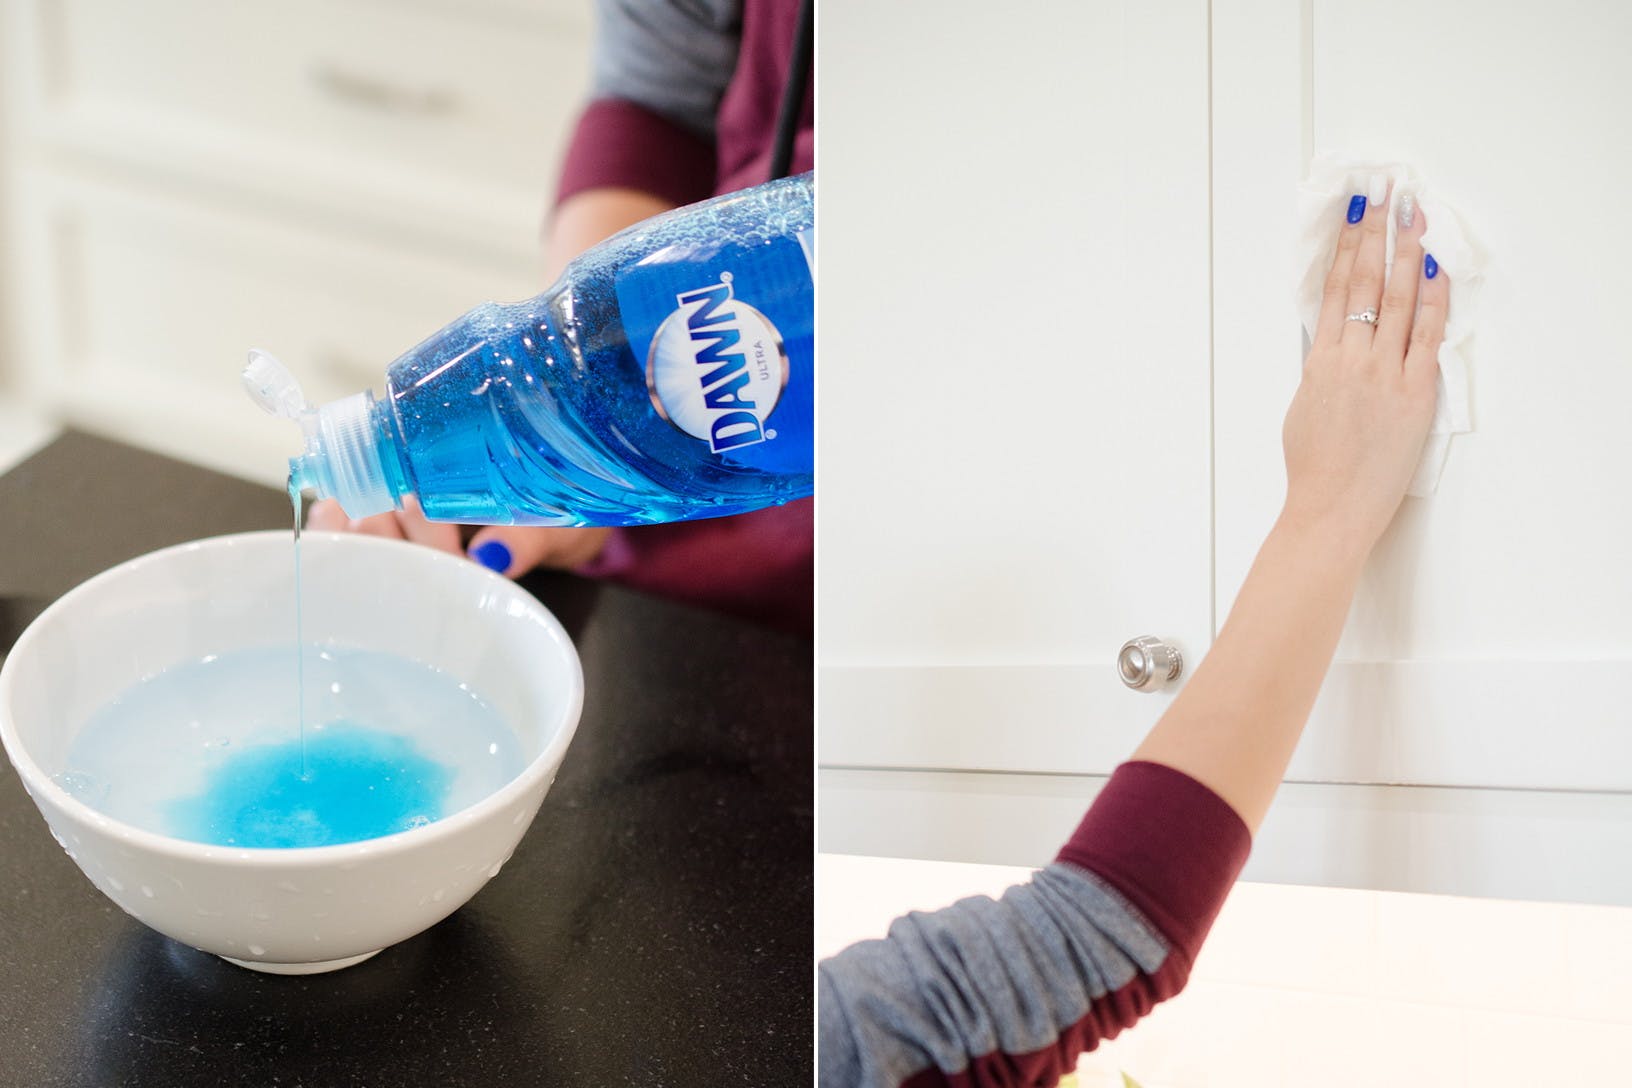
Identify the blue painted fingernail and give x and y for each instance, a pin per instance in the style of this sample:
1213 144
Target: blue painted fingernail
1357 208
493 555
1430 267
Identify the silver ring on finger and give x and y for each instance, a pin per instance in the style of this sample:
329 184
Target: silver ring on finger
1368 315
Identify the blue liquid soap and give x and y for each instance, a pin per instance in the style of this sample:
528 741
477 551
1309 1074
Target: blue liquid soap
205 751
353 783
667 375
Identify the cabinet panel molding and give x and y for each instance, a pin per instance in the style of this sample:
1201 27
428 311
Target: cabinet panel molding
1045 718
1506 844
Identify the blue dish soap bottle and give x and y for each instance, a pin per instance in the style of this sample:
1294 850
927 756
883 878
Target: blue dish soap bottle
666 376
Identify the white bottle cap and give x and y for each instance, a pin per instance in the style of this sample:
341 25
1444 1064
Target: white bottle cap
271 386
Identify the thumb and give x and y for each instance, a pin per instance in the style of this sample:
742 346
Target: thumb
513 550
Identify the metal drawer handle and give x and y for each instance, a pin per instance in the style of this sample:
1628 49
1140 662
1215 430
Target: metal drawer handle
378 94
1147 663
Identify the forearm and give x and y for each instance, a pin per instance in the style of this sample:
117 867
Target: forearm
1011 991
989 991
1234 726
589 217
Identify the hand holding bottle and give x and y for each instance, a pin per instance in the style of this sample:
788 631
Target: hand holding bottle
511 550
578 224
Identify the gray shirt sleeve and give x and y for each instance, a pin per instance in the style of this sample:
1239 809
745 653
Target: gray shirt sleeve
674 57
982 977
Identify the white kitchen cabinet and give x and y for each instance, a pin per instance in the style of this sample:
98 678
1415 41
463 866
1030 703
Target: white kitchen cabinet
1491 641
330 181
1014 404
1474 734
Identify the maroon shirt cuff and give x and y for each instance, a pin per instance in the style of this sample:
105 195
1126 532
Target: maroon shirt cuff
1169 844
618 144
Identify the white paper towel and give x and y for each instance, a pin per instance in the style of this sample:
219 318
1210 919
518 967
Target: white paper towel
1323 200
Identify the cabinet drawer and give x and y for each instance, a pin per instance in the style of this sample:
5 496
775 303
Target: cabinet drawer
144 306
424 95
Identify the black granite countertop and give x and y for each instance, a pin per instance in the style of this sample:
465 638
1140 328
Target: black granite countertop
653 927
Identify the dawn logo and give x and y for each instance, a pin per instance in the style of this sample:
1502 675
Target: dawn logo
717 367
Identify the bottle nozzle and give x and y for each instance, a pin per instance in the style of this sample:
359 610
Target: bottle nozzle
341 459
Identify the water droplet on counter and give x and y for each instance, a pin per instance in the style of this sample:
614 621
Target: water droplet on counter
116 884
438 894
147 891
256 950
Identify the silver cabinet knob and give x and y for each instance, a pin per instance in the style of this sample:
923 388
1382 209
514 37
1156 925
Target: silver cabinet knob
1147 663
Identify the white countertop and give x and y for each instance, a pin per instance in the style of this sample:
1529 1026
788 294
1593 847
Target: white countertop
857 897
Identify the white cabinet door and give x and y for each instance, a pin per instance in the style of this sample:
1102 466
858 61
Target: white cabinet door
1491 641
1014 432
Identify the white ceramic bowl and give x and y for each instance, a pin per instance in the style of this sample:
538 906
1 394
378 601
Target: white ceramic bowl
291 911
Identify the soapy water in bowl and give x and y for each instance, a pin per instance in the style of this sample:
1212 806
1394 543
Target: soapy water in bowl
210 750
